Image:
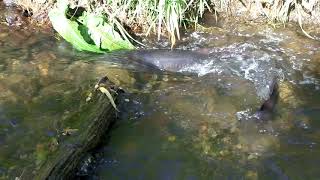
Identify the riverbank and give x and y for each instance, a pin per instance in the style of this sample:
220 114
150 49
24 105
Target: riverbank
168 18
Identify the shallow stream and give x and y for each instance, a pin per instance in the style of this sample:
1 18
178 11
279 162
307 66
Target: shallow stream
197 123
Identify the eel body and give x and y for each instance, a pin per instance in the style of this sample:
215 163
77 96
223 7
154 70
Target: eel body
175 60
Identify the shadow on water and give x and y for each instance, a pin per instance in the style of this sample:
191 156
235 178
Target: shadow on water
195 125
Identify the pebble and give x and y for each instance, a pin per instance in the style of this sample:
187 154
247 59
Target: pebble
3 35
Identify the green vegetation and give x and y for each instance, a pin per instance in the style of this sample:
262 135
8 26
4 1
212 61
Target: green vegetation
166 17
88 32
95 30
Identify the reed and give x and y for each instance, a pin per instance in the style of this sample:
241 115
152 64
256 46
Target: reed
159 16
166 17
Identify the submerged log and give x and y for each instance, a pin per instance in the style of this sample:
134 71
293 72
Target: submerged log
91 123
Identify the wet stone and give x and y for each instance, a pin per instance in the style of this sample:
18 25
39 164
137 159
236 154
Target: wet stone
3 35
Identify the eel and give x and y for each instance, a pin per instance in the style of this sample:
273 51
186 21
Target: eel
176 60
266 110
168 60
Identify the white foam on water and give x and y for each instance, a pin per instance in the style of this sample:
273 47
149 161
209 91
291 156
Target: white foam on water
244 115
242 60
203 68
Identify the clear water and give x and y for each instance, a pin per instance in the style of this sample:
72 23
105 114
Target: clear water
194 125
202 128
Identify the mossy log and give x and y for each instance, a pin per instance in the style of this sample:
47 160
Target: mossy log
90 124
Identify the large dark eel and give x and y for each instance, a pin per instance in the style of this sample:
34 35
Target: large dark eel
267 108
168 60
175 60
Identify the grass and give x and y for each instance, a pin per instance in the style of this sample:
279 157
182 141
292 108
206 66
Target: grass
166 17
161 17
